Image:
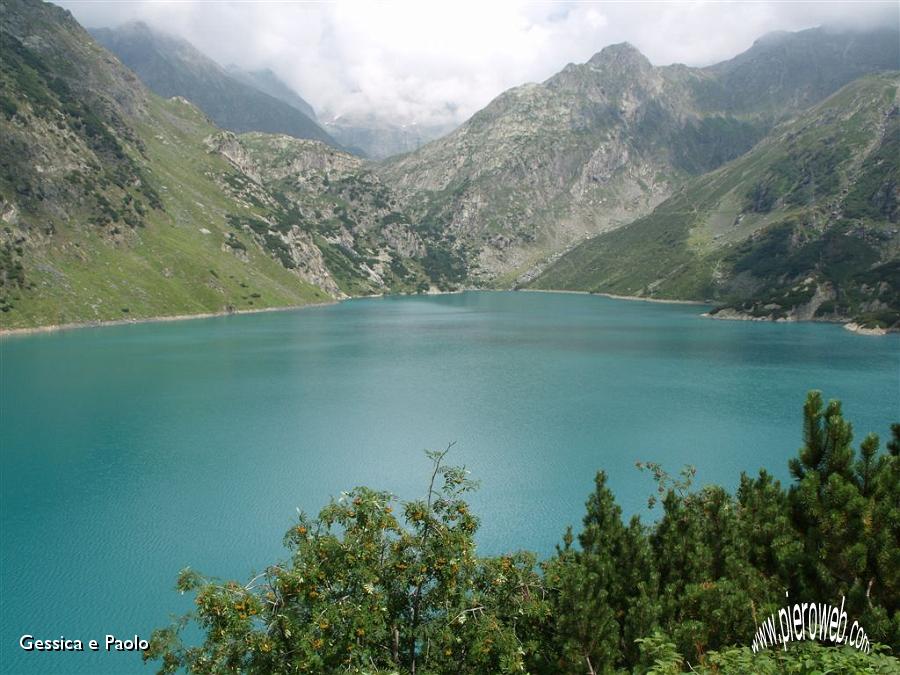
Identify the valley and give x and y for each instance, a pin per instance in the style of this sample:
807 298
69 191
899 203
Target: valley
613 176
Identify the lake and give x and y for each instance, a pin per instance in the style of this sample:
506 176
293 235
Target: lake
130 452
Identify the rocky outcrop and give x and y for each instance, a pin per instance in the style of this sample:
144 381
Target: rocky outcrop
333 222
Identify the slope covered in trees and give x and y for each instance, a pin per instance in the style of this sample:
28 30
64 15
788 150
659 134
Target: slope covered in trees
377 585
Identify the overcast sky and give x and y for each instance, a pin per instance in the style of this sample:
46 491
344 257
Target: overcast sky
436 62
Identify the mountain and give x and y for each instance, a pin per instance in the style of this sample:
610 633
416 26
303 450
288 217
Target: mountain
773 196
118 204
806 225
269 83
602 143
377 138
790 71
258 100
171 66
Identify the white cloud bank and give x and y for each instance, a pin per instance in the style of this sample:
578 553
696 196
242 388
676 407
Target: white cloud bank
431 62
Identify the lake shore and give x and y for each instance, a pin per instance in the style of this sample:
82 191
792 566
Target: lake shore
53 328
661 301
735 316
853 327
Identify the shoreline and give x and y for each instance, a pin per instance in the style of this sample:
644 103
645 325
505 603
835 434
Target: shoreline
613 296
53 328
102 323
850 326
57 327
854 327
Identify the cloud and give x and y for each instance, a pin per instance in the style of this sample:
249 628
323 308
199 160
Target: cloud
432 63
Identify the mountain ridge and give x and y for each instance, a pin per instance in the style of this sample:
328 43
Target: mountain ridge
378 139
600 144
118 204
269 83
171 66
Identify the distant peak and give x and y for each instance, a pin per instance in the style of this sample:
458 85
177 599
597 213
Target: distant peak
622 53
135 27
773 37
139 30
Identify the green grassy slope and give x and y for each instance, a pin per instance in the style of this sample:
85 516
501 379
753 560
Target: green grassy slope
170 265
116 203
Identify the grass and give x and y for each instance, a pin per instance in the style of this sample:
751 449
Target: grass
163 269
698 243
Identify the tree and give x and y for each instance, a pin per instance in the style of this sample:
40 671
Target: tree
881 523
377 585
588 587
363 591
845 512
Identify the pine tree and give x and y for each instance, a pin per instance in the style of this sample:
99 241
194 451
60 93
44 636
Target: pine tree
882 532
845 512
589 587
640 586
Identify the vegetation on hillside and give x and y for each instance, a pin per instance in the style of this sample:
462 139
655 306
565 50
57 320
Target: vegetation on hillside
108 197
367 242
377 585
116 204
803 226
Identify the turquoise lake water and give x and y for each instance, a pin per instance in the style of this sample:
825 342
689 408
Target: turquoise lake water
129 452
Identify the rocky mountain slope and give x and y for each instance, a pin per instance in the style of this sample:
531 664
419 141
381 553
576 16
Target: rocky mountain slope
324 201
118 204
171 66
784 72
806 225
602 143
269 83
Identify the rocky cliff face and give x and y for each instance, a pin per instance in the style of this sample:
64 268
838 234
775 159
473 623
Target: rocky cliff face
326 201
533 172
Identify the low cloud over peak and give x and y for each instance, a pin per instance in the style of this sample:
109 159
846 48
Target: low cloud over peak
429 63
